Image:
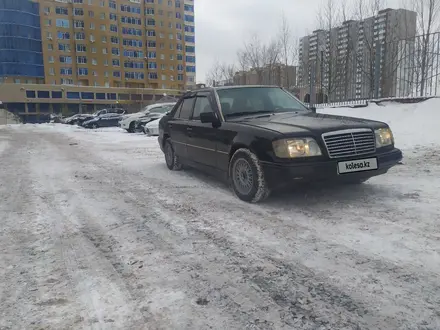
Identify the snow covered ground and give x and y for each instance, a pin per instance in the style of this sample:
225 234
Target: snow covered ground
96 233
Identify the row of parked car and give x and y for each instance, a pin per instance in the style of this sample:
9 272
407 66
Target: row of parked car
146 120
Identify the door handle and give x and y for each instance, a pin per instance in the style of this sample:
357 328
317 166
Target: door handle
170 126
189 129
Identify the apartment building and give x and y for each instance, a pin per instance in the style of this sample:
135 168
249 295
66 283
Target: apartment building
100 43
277 74
359 59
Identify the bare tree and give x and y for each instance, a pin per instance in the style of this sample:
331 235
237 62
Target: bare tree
220 73
288 49
254 52
427 44
270 59
243 65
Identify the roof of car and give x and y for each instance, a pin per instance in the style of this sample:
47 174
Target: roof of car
207 89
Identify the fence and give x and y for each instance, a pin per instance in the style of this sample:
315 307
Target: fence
356 72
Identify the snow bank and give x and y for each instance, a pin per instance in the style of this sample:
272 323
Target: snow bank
413 124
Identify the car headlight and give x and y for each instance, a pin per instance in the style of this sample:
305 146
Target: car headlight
296 148
384 137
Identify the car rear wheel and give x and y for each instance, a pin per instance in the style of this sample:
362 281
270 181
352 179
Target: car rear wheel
247 177
131 128
171 158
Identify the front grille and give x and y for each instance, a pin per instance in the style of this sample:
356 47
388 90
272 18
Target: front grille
351 142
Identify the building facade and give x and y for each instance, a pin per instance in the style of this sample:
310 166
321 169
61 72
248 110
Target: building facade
359 59
277 74
100 43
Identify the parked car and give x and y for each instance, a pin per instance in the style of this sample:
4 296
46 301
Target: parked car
80 118
128 122
155 113
152 128
105 120
261 138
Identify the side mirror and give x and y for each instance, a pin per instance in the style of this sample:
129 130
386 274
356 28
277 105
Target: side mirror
313 109
209 117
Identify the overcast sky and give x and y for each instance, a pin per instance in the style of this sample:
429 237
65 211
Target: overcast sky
222 25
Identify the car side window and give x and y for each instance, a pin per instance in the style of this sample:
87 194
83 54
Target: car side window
187 108
202 105
177 112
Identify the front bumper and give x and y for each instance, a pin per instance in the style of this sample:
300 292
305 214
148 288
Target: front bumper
317 171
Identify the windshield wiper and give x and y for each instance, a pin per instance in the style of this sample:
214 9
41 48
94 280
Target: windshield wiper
246 113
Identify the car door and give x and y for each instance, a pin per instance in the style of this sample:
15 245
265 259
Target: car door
202 136
178 125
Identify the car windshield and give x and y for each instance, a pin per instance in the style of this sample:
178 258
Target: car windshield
163 109
244 101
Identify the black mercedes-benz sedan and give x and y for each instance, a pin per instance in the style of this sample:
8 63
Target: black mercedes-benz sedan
261 138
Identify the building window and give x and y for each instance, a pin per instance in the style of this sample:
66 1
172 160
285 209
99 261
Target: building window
191 69
151 54
149 11
105 73
78 24
80 35
180 67
177 3
49 46
151 22
64 23
102 3
78 11
63 35
190 29
57 94
179 57
161 45
47 22
178 15
162 56
52 71
162 66
115 51
101 96
171 36
171 46
114 40
81 48
190 49
112 4
105 62
83 71
116 74
113 28
68 81
92 26
64 47
113 17
180 77
91 13
102 16
81 59
93 49
152 65
104 50
51 59
151 33
190 59
77 1
66 59
72 95
94 61
102 27
115 62
46 10
161 35
152 75
164 77
104 39
61 11
66 71
170 3
179 47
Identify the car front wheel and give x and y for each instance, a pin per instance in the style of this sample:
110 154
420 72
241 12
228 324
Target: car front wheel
247 177
132 128
95 126
171 158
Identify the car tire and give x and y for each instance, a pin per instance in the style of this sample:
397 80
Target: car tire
247 177
95 126
131 128
171 159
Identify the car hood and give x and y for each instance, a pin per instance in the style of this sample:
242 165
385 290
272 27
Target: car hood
306 122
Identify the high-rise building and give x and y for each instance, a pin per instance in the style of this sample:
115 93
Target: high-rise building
359 59
100 43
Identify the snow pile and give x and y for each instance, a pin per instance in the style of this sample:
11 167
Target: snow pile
413 124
